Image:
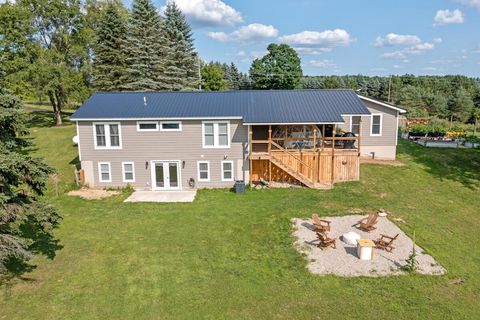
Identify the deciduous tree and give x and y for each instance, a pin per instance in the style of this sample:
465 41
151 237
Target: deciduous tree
213 78
278 69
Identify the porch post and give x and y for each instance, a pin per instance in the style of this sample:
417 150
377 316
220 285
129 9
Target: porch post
359 134
270 153
333 154
250 149
323 136
315 166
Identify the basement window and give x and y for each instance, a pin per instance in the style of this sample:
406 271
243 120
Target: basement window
227 170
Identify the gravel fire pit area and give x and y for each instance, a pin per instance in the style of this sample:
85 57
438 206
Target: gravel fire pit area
344 261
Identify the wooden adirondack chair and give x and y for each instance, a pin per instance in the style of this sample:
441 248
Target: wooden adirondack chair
320 225
325 242
368 223
385 243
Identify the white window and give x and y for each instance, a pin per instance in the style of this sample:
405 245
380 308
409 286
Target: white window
203 171
227 170
355 124
128 171
376 125
107 135
216 134
104 172
147 126
171 126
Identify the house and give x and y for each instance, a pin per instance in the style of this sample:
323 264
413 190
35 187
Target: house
184 140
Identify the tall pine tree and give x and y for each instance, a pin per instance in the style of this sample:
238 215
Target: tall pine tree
233 77
109 65
145 48
181 69
26 221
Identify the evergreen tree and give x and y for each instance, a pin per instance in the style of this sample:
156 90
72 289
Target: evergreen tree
181 69
461 105
145 48
109 65
26 222
233 77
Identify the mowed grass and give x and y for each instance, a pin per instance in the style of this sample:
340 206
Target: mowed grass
229 256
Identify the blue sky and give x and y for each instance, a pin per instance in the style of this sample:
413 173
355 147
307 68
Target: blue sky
373 37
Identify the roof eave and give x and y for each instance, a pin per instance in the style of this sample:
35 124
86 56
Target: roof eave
382 104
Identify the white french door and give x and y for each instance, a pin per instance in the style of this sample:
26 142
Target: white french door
166 175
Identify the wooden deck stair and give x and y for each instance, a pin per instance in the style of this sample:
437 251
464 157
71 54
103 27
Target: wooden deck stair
298 175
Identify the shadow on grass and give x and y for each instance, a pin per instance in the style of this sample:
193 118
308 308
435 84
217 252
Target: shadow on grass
42 243
45 119
460 165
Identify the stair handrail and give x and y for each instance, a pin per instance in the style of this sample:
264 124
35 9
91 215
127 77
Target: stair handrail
291 154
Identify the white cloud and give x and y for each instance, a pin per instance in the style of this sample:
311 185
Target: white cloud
443 17
322 63
472 3
5 1
396 66
208 12
412 50
322 39
311 51
442 61
437 40
251 33
395 54
430 69
393 39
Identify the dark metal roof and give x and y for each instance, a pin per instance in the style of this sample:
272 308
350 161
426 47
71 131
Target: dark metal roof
253 106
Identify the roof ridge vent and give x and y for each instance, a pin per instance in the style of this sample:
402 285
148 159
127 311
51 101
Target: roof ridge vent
144 100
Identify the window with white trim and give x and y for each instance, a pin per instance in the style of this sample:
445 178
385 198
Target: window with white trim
171 126
147 126
227 170
128 171
216 134
376 125
104 172
203 171
107 135
355 124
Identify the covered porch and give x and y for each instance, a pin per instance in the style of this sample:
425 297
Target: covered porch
315 155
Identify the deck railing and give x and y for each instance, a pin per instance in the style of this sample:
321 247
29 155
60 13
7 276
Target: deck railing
291 149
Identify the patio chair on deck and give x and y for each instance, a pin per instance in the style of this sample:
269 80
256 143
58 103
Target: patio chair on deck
368 223
385 242
325 242
320 225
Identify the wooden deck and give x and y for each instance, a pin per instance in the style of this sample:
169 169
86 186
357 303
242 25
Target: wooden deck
319 166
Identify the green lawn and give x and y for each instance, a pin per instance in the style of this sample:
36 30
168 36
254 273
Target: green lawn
231 256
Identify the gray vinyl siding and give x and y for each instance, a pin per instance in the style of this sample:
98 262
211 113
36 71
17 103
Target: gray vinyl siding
141 147
389 126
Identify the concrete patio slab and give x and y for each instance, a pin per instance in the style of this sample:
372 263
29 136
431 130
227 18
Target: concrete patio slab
162 196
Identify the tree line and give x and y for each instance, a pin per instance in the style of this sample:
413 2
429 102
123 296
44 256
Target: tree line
64 49
454 97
